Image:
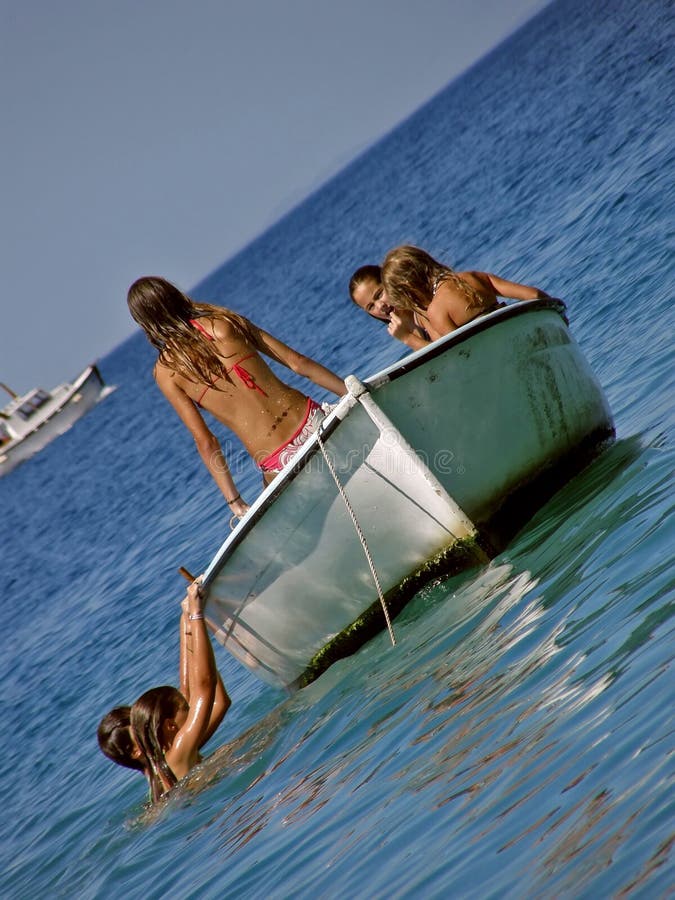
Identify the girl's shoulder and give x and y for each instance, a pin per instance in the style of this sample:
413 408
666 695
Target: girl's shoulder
223 330
215 328
475 278
449 279
162 372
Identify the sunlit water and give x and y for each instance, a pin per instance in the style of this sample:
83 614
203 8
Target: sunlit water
518 739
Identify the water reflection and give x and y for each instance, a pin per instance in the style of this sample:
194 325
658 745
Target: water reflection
488 715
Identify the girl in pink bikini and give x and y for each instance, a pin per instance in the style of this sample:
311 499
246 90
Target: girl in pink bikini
209 358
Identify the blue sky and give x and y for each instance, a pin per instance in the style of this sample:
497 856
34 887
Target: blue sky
162 136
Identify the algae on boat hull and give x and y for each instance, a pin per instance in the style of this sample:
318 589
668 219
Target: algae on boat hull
461 556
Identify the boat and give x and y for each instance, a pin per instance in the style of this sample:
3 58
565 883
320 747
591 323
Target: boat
31 421
429 466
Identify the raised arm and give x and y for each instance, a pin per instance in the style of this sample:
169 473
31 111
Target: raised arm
208 445
221 704
303 365
202 678
221 699
185 649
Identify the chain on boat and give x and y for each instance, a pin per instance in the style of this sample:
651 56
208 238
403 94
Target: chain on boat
360 534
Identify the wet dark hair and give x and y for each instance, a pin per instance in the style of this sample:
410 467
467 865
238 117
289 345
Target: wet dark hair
363 273
115 740
148 714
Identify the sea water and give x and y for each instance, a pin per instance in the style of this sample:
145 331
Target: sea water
517 742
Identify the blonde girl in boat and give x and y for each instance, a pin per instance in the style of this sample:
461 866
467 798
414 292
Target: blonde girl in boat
210 359
440 298
115 736
169 726
367 292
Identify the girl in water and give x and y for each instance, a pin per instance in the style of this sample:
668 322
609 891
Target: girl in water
367 292
115 735
444 299
209 358
169 726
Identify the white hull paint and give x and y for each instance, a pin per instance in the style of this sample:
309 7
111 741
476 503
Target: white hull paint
450 450
67 403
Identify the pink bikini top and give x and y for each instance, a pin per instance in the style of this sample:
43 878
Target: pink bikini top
237 369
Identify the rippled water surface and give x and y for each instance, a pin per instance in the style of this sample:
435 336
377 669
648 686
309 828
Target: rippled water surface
518 739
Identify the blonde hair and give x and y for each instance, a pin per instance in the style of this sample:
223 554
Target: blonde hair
164 313
411 276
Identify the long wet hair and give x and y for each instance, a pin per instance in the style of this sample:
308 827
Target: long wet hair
410 277
148 714
115 740
164 313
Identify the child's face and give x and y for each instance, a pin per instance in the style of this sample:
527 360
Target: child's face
369 294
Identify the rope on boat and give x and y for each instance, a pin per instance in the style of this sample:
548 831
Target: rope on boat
360 534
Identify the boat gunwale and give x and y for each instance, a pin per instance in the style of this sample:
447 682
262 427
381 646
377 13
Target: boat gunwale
414 360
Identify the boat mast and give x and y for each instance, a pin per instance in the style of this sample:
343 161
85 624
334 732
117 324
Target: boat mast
9 390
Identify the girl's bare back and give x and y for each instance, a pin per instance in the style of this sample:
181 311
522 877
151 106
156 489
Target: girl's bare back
251 401
452 307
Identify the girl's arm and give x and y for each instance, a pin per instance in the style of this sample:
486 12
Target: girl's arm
405 330
202 678
207 443
221 699
221 704
512 289
303 365
183 682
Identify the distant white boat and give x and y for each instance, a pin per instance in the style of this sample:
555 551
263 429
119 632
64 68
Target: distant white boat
29 422
442 457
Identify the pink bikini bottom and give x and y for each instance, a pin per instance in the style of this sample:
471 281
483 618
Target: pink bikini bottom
284 454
